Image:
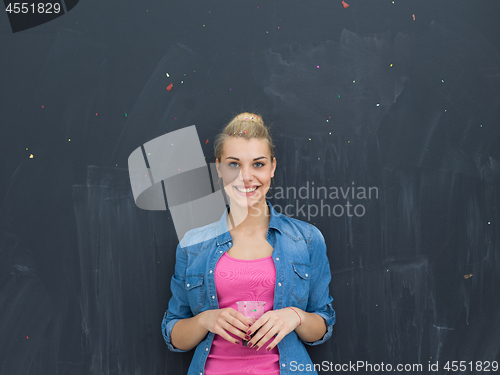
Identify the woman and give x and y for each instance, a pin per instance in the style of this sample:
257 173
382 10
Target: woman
255 254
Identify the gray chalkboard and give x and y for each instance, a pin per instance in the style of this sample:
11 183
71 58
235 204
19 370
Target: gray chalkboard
396 102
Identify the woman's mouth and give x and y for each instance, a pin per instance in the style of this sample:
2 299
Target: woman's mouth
246 191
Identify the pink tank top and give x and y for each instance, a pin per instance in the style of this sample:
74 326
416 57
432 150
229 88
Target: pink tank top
243 280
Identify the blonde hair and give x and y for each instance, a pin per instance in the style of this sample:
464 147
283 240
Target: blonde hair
245 125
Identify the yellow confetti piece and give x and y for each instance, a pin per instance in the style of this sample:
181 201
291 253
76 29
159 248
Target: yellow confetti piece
31 156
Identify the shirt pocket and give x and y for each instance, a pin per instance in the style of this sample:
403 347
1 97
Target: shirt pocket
301 280
194 289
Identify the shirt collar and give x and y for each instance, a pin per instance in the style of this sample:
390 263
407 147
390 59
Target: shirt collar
223 234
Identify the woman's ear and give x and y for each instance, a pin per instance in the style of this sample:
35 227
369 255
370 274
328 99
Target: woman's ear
274 167
217 167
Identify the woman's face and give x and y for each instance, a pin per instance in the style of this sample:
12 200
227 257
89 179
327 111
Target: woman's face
246 164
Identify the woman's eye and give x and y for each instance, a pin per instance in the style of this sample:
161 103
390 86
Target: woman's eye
257 164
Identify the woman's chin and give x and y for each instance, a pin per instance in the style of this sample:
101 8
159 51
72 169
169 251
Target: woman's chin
246 201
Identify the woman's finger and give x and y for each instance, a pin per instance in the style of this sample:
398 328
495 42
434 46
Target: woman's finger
223 333
259 337
267 337
276 340
258 323
242 318
229 327
238 320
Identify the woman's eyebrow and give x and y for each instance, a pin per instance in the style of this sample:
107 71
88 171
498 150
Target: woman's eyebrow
232 157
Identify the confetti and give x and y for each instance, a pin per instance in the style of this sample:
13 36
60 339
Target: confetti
345 4
169 87
413 17
206 141
468 276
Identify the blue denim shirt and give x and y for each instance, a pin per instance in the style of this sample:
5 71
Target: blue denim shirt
302 279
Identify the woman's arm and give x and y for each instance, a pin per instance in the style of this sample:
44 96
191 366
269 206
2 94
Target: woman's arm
319 302
312 328
188 333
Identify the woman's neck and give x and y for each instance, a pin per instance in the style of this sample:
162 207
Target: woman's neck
248 219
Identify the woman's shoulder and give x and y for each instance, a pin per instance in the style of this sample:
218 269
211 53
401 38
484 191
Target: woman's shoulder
298 228
199 235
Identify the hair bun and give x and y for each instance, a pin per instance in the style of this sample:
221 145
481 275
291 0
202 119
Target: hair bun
249 117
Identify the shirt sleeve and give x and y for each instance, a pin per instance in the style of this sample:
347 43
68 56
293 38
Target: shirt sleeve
320 301
178 306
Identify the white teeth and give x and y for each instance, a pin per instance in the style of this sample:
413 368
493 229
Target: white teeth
247 190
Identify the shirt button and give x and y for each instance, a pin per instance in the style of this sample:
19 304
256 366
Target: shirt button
230 244
277 258
283 365
220 251
307 275
279 284
210 271
187 285
206 349
213 297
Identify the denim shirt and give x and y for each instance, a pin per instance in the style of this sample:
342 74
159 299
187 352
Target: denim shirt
302 279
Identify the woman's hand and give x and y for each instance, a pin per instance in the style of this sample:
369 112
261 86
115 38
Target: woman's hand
274 323
222 321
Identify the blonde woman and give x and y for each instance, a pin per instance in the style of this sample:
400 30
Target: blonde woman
255 254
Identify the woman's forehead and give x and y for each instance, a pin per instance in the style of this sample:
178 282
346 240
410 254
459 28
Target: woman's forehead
246 147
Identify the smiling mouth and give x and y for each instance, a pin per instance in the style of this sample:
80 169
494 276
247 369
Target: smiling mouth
249 190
